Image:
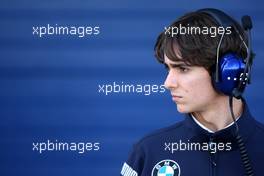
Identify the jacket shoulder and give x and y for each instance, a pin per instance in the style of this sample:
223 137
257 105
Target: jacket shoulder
260 126
175 131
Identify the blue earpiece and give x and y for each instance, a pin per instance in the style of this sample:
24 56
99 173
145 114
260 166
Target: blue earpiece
231 69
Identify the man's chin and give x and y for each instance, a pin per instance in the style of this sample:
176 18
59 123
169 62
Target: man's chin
182 108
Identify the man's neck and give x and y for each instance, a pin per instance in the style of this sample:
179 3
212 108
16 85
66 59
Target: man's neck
217 115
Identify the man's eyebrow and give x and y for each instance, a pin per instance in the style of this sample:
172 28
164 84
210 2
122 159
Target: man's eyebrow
175 65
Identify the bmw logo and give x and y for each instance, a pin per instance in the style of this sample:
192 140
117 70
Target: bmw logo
166 168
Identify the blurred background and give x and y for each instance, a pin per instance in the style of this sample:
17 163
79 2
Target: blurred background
49 85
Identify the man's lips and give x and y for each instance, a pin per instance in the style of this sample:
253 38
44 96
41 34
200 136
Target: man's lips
176 98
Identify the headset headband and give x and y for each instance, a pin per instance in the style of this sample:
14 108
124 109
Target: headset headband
220 17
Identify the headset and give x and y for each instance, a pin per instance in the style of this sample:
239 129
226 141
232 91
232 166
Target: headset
232 73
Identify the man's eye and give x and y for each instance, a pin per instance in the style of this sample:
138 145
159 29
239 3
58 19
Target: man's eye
183 69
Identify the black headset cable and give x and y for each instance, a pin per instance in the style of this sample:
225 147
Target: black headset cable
241 145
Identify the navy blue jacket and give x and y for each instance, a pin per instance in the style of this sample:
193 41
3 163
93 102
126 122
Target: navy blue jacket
186 149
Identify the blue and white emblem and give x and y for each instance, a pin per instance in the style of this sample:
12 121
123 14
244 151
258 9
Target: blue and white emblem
166 168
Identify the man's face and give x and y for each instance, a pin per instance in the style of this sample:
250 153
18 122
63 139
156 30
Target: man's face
190 86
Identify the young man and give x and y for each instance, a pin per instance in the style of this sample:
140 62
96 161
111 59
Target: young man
218 136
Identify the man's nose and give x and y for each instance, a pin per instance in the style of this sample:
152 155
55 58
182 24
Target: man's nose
171 81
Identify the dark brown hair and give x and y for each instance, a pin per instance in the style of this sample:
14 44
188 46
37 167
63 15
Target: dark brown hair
198 49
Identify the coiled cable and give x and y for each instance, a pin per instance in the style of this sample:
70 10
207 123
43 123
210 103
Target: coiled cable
241 145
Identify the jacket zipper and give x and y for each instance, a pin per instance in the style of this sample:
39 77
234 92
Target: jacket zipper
212 158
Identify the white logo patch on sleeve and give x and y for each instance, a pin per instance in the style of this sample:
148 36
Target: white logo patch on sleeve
128 171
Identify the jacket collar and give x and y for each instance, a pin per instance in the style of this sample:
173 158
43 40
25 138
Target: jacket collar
246 124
